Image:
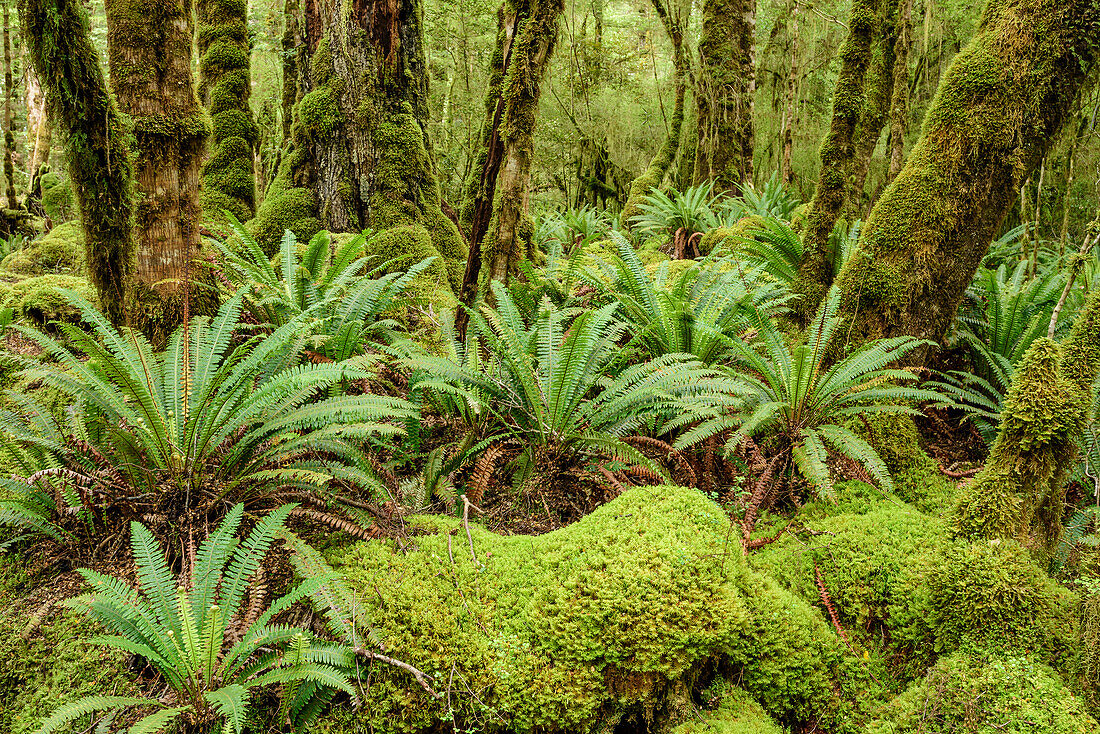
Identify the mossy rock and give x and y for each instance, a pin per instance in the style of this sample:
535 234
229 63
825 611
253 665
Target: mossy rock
981 693
736 713
39 300
59 251
899 583
587 626
49 662
728 237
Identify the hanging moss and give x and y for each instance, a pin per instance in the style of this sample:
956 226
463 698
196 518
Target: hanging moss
996 113
606 620
838 152
56 32
724 94
225 84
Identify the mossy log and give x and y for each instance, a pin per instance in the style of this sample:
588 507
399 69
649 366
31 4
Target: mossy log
613 619
149 46
724 93
225 83
57 36
998 110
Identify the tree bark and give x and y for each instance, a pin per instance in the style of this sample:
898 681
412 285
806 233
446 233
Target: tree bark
56 33
9 134
495 209
838 152
724 94
654 174
790 104
1000 107
225 83
149 51
899 102
360 156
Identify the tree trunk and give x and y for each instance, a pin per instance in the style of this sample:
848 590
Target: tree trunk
815 273
724 94
56 33
655 173
149 50
876 106
790 105
39 132
9 134
899 103
360 154
999 108
495 209
229 181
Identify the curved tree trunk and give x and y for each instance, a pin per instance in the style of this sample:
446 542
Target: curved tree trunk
655 173
724 94
815 273
229 180
149 49
56 33
998 110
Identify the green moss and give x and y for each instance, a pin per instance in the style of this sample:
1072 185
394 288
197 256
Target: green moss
294 209
59 251
916 476
736 713
601 620
406 246
57 198
981 693
318 114
50 663
39 302
729 236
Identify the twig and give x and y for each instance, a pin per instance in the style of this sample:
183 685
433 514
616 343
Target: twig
958 474
1076 266
466 505
829 607
421 677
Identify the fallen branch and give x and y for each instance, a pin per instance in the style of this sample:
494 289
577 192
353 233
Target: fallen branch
829 607
959 474
421 677
466 505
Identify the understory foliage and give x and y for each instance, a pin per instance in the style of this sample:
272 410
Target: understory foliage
213 651
175 434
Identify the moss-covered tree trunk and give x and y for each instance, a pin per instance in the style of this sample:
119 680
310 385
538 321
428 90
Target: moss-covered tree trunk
9 133
899 102
654 173
225 82
1020 493
359 154
149 50
56 33
876 104
998 110
495 207
790 103
725 88
838 152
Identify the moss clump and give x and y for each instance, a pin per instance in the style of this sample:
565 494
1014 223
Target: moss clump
59 251
39 301
318 114
584 626
977 692
406 246
294 209
736 713
916 477
45 659
57 198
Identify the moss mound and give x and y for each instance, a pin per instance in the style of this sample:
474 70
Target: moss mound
730 236
407 245
59 251
901 585
39 301
736 713
980 693
592 624
57 198
45 665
